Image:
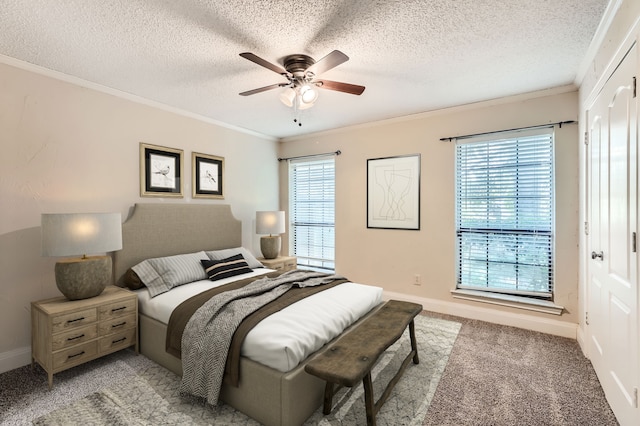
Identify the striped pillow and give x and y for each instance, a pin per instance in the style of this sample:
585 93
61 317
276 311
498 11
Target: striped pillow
225 268
161 274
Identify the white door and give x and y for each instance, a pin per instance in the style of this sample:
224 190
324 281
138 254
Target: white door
612 306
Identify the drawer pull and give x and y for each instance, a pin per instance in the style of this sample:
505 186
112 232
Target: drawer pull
74 320
74 338
119 325
73 356
118 309
118 341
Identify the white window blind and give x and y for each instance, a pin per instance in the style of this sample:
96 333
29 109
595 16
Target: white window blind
504 213
312 210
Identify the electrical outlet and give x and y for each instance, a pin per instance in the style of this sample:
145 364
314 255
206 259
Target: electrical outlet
417 280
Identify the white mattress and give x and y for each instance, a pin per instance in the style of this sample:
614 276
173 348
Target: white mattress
284 339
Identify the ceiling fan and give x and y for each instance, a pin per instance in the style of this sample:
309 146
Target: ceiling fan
301 72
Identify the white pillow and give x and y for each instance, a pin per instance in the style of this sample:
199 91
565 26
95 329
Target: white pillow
161 274
248 257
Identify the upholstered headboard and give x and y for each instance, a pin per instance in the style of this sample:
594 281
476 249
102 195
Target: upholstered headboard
157 230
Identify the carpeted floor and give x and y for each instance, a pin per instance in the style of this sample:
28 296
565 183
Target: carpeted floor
495 375
143 393
25 395
498 375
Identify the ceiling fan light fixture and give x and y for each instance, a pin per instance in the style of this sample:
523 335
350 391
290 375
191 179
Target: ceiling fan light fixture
288 96
308 94
302 104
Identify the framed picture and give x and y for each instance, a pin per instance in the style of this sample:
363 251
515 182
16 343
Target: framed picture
393 192
160 171
207 176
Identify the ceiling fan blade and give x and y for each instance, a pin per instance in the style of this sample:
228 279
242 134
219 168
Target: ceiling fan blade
263 89
353 89
258 60
332 60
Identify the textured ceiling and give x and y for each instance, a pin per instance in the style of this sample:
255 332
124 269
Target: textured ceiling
412 56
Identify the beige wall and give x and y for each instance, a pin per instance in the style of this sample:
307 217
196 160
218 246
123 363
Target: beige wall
67 148
390 258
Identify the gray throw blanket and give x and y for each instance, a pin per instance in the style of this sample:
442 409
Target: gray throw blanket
207 336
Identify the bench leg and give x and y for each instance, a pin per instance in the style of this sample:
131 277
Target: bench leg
328 398
414 345
369 403
372 407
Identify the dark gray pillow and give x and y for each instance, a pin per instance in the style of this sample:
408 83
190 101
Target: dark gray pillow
225 268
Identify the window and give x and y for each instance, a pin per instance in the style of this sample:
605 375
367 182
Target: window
312 212
504 213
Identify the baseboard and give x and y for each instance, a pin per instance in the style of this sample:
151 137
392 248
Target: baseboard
582 342
528 322
15 358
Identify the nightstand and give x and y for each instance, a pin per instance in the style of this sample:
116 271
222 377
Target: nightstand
280 263
66 333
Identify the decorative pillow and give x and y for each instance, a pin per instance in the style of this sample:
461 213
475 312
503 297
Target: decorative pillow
225 268
161 274
132 280
248 257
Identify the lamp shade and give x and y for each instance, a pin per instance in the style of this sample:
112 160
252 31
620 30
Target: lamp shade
288 96
308 94
74 234
269 222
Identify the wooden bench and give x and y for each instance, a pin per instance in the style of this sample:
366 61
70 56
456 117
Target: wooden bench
352 356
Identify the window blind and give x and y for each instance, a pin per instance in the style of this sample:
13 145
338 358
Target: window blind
312 211
504 213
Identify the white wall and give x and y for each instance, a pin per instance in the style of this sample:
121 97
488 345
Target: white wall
67 148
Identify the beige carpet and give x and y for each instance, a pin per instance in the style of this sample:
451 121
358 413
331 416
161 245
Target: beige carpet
150 397
499 375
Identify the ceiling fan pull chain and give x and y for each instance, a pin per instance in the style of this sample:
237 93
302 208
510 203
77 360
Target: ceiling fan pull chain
296 111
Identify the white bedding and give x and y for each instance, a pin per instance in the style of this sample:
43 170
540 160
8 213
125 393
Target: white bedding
284 339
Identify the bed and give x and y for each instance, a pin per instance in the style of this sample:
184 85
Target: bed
155 230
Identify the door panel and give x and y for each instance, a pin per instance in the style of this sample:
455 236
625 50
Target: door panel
595 313
612 278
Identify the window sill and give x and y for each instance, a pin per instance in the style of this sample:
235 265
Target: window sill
511 301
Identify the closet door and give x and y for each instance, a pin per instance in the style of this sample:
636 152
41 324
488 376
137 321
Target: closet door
612 307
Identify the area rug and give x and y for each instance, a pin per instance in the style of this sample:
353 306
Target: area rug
151 397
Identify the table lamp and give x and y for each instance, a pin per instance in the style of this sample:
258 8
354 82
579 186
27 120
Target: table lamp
76 234
270 223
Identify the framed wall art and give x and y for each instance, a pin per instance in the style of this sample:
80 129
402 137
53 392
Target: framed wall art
160 171
207 176
393 192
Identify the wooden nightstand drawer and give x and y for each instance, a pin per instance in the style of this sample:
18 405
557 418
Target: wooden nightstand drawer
74 337
115 325
66 333
76 319
280 263
117 341
290 264
74 356
112 310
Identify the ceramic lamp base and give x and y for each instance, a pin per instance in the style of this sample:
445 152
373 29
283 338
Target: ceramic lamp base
270 246
83 278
